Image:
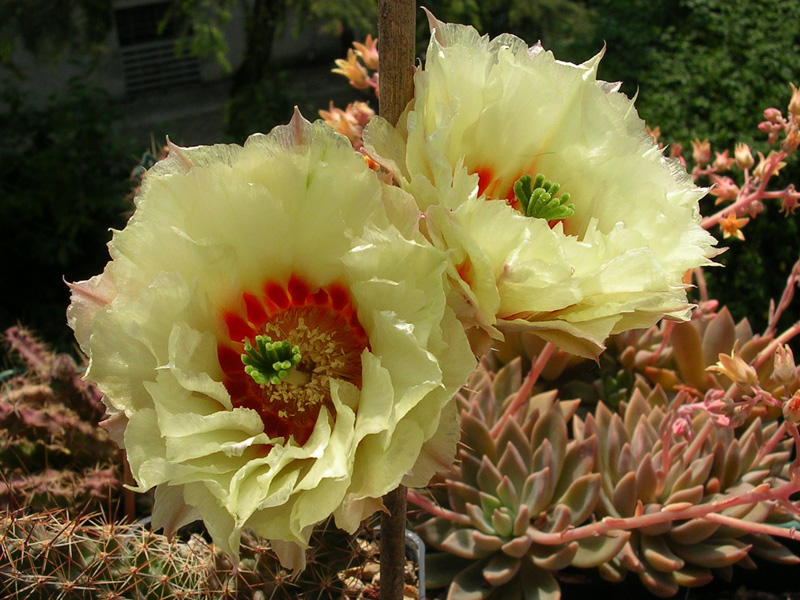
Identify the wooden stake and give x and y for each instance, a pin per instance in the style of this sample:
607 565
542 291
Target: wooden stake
397 25
396 36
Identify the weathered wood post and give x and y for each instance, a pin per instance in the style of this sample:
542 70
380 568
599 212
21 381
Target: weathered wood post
396 35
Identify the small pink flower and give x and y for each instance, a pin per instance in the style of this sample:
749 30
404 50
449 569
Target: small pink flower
701 152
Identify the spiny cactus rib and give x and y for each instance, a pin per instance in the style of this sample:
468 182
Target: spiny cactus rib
51 448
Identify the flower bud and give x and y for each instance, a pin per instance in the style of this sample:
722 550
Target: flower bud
722 162
701 152
773 115
792 141
791 409
784 371
675 150
794 103
744 159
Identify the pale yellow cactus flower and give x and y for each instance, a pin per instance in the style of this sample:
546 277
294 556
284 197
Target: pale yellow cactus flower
604 252
273 340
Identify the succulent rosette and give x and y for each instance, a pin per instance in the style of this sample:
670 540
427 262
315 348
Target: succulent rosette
272 346
517 475
647 468
559 212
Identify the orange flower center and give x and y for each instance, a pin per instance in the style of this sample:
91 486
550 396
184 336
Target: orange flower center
325 327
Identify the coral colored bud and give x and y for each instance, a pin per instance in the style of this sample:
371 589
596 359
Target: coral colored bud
784 370
773 115
722 162
676 150
744 158
791 409
701 152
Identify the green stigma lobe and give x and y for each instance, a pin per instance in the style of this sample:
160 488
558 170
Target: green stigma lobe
538 198
268 361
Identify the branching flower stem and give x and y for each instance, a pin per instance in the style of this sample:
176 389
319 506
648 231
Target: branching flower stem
748 196
526 389
680 512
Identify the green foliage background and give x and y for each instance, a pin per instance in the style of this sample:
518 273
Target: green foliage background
63 182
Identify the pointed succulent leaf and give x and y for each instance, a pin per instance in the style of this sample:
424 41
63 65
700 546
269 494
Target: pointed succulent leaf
470 584
656 551
696 474
582 497
538 491
757 477
692 576
435 530
646 481
594 551
770 549
751 348
508 380
732 468
507 494
692 495
624 498
518 546
513 465
470 465
487 543
522 520
559 519
543 458
719 336
612 572
553 558
626 463
721 553
667 379
479 519
502 523
748 452
655 528
538 584
489 504
441 568
644 438
754 430
462 543
693 531
488 476
617 437
476 438
659 584
688 349
459 493
552 428
501 569
628 558
578 461
636 408
512 433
